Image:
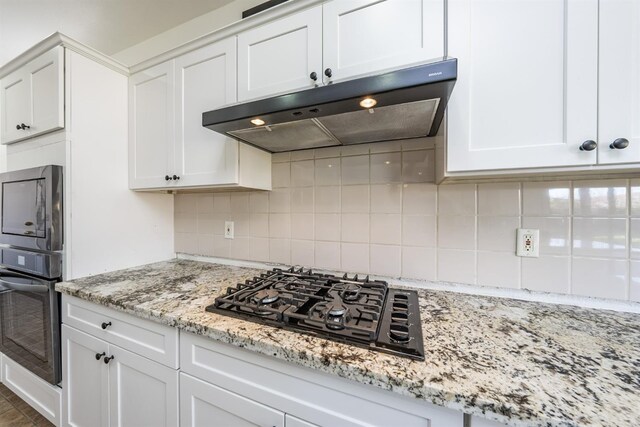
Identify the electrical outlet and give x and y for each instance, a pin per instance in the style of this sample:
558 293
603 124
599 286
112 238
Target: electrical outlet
528 243
228 229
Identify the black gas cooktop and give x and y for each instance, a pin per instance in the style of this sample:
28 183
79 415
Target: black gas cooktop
362 312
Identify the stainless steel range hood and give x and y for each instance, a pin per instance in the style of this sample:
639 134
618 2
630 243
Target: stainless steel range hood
409 103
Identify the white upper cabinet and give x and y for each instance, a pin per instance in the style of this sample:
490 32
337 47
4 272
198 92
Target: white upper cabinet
279 57
619 81
32 98
365 36
527 89
151 124
168 146
205 80
15 107
339 40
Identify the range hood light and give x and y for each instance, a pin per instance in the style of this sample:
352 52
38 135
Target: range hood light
368 103
257 122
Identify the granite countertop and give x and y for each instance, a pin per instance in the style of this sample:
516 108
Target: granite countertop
522 363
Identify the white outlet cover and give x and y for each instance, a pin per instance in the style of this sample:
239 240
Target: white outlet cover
528 243
228 229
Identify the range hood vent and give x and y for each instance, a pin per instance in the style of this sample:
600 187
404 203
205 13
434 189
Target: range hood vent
409 103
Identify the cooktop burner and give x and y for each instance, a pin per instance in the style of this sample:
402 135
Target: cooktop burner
358 311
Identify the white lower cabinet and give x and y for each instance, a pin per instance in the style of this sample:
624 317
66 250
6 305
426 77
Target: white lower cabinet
261 386
216 385
207 405
85 380
291 421
105 385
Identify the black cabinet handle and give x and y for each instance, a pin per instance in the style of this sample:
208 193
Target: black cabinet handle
588 145
105 325
167 178
176 177
108 359
313 76
23 126
99 355
619 144
328 72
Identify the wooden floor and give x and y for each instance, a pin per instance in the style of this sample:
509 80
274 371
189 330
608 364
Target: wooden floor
15 412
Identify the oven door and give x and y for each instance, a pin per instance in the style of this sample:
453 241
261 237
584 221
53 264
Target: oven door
30 323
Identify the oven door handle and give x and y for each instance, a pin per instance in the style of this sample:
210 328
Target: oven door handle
21 287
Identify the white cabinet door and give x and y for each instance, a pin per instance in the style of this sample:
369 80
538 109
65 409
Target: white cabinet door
482 422
291 421
526 94
151 124
32 98
205 80
280 56
205 405
85 379
46 78
619 81
366 36
142 392
15 106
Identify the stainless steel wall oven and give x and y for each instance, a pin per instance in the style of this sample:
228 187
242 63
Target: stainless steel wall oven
31 243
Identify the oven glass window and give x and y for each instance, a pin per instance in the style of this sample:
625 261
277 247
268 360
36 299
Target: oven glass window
25 330
23 208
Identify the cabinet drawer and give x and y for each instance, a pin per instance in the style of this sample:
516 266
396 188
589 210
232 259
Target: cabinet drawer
308 395
146 338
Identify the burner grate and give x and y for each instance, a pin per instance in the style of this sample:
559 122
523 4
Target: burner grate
352 310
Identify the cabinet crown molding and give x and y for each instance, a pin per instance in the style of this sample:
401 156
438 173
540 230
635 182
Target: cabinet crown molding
59 39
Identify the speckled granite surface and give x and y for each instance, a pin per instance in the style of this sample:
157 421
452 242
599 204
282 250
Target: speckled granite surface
522 363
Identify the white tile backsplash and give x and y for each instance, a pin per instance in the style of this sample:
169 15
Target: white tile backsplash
600 237
355 228
419 263
501 199
386 168
386 198
302 173
546 198
355 257
386 260
355 170
604 278
457 199
374 209
327 171
600 198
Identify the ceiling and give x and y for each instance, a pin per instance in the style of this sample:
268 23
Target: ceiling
106 25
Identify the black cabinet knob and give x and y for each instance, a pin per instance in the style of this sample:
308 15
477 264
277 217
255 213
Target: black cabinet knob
167 178
105 325
328 72
100 355
176 177
108 359
23 126
313 76
18 127
619 144
588 145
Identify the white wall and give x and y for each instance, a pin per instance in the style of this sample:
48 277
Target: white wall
186 32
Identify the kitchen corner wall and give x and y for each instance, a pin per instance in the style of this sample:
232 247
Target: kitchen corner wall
375 209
